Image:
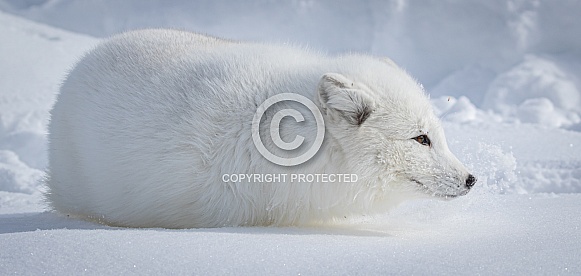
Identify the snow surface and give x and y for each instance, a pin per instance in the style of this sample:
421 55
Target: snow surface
503 75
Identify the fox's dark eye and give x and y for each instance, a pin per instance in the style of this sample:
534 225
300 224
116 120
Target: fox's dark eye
424 140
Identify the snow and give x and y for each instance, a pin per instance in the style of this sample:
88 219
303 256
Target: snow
473 235
539 91
504 76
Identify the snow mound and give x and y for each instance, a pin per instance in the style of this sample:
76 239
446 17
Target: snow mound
455 110
537 91
15 176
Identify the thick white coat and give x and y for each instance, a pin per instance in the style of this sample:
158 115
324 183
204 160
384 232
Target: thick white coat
148 123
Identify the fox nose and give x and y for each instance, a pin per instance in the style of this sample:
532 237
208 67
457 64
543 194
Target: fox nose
470 181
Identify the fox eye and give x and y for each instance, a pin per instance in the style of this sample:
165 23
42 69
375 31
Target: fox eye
424 140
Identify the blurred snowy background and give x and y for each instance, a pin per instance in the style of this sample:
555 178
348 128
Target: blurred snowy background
504 75
519 58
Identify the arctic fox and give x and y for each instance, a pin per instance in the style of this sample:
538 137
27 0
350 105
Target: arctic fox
158 128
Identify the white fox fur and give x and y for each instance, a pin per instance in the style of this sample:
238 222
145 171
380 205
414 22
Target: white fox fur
148 123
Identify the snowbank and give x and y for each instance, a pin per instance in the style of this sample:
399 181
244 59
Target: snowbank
35 59
537 90
521 59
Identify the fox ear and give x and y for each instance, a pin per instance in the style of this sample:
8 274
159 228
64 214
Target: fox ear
339 97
